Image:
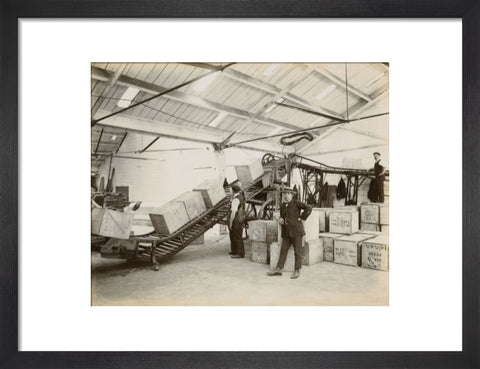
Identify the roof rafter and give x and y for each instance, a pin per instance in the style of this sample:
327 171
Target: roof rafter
357 110
104 75
277 96
164 129
339 82
271 89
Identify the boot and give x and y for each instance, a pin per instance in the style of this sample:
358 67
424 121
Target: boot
295 274
277 271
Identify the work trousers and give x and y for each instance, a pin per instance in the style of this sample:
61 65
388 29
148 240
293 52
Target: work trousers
236 239
381 195
297 245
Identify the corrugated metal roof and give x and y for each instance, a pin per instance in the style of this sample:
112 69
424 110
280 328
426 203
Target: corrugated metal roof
243 99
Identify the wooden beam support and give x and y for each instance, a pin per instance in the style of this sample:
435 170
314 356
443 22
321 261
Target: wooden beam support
164 129
271 89
357 110
339 81
189 99
345 150
368 134
121 142
99 139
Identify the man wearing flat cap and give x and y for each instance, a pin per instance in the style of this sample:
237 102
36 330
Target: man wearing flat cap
236 219
292 213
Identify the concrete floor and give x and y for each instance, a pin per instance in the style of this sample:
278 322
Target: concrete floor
205 275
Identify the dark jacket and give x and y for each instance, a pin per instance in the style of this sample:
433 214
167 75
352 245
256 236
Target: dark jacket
291 214
379 170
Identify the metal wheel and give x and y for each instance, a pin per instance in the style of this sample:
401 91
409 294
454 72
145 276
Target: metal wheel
267 158
267 209
250 211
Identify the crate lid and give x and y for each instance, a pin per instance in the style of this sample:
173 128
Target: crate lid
344 210
330 235
381 239
357 237
374 204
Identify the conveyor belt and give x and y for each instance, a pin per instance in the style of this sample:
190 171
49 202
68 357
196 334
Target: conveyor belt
158 247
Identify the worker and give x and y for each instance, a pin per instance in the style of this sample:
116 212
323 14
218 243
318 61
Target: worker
236 219
379 177
292 231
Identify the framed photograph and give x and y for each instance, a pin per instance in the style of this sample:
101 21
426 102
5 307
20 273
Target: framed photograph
273 186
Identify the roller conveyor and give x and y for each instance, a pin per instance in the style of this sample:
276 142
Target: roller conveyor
156 247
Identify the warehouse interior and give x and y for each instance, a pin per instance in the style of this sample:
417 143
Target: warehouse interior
168 141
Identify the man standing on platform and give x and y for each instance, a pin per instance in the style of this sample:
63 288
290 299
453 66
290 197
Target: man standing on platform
292 214
379 177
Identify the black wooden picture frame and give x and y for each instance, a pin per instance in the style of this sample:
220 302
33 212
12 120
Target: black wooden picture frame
11 11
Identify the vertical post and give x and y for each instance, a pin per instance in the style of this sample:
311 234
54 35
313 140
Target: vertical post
219 164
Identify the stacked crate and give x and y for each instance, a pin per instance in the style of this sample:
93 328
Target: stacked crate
312 245
375 253
323 218
194 203
250 172
212 192
176 213
374 217
328 244
111 223
341 222
169 218
347 249
262 233
344 220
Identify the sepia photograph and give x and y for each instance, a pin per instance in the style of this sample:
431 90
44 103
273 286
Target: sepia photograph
240 184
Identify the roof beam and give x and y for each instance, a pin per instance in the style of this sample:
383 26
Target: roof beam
350 149
271 89
339 82
164 129
266 87
368 134
357 110
264 108
182 97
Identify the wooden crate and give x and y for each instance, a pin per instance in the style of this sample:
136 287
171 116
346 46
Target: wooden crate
323 213
275 255
313 252
344 221
193 202
212 192
374 233
250 172
328 239
141 216
263 230
366 227
260 252
347 249
222 229
374 213
375 253
312 225
111 223
170 217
